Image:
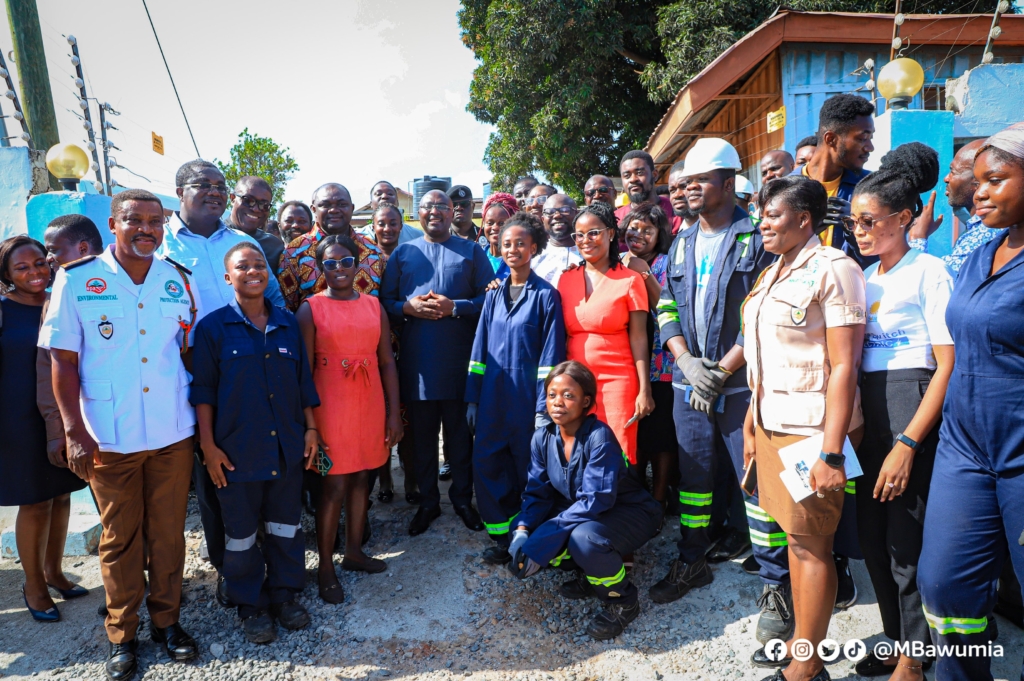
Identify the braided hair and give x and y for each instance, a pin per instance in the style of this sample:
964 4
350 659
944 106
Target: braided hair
606 214
906 172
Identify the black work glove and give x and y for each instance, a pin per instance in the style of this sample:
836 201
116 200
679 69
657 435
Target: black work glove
471 409
836 210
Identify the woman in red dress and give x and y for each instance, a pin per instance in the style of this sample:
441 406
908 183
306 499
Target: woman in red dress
605 305
348 339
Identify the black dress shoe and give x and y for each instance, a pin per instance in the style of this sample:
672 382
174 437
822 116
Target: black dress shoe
180 646
470 517
733 545
421 521
495 555
445 472
121 661
222 593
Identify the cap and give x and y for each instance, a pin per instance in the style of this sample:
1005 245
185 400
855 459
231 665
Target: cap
711 153
460 192
744 187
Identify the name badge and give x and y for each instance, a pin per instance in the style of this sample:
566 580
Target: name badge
798 315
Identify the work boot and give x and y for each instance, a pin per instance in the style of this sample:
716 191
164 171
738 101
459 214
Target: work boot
733 545
577 588
290 615
776 619
751 566
680 579
496 555
611 621
259 628
846 591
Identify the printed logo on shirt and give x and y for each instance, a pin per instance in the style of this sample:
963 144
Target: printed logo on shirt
106 330
873 311
797 315
95 285
174 289
886 341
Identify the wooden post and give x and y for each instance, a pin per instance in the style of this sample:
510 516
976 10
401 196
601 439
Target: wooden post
35 80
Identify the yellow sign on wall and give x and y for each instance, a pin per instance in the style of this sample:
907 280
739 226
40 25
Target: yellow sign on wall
777 119
158 144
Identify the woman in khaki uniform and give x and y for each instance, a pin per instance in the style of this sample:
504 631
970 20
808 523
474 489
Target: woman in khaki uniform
804 330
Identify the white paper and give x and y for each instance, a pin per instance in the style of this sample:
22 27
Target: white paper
798 458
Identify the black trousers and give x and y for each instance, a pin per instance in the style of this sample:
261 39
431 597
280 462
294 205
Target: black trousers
425 420
209 511
891 532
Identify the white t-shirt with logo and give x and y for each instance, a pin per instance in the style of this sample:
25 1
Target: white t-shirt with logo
906 313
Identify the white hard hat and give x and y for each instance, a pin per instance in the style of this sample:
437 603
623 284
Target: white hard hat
710 153
744 187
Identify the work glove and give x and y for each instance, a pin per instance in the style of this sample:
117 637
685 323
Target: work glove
699 375
835 211
518 539
522 566
471 417
541 420
704 401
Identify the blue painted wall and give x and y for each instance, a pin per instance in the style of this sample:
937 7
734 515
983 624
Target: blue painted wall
15 187
993 97
43 208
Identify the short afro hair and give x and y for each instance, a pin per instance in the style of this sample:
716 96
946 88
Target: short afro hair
297 204
77 228
809 141
906 172
798 192
252 181
839 113
638 153
243 246
532 224
132 195
191 169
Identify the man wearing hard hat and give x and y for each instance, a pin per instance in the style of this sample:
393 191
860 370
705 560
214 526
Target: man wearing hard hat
713 264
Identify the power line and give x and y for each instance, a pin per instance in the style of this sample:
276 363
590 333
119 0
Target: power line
166 66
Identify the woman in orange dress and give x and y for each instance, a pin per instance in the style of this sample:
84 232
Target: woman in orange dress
349 342
606 306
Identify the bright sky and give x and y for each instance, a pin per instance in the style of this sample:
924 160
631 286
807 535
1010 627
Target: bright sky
359 90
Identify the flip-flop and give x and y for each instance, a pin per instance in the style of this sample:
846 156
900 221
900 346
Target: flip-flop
333 594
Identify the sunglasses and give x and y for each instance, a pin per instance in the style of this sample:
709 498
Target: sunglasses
535 200
208 186
341 264
591 193
254 204
850 223
592 235
439 207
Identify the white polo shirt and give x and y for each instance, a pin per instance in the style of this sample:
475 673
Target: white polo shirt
128 338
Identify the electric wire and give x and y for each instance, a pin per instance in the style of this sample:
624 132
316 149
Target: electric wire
175 87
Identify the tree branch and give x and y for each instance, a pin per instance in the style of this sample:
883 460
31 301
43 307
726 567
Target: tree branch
633 56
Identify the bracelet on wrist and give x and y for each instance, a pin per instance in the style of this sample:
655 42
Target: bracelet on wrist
309 429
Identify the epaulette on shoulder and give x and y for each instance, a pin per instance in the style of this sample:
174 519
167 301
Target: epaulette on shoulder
178 265
78 263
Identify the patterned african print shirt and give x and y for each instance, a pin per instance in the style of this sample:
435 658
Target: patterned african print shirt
974 236
661 359
300 277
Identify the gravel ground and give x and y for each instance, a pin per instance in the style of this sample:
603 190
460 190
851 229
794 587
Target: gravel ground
438 613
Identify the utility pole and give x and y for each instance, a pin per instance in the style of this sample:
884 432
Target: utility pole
35 80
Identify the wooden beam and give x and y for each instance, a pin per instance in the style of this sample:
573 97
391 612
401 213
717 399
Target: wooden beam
743 96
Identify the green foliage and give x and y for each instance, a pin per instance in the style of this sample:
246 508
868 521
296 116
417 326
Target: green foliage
571 85
262 157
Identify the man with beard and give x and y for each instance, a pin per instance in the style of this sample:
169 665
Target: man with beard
600 189
300 276
250 212
434 288
637 171
682 216
960 186
129 423
385 192
522 188
846 125
561 252
462 220
776 164
804 150
713 265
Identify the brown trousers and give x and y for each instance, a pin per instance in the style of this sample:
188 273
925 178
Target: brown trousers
142 499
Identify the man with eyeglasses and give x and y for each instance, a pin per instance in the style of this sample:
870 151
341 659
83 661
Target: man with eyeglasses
332 214
522 188
197 238
558 214
434 289
600 189
250 210
534 203
638 173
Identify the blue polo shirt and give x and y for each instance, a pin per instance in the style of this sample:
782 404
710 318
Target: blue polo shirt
258 383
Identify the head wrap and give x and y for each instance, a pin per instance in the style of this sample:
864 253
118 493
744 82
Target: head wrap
1010 140
506 201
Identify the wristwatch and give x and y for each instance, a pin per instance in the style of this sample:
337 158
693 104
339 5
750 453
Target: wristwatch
834 460
907 441
455 310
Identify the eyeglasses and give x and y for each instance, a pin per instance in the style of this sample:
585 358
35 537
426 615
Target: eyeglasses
440 207
538 200
208 186
255 204
592 235
340 264
591 193
850 223
564 210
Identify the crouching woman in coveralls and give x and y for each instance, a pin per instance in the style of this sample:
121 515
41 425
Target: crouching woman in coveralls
581 503
976 501
519 339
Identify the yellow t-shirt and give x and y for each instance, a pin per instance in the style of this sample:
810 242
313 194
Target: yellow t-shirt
832 189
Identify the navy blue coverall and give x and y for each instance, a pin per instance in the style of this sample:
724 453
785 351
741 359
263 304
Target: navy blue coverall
589 509
976 501
258 383
702 440
516 346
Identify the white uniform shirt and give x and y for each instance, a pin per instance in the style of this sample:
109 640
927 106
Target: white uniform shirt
906 313
128 339
550 264
204 257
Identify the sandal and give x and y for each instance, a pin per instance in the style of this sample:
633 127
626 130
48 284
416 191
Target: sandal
333 594
371 566
385 496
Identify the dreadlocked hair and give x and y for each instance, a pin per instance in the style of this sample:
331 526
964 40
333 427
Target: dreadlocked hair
606 214
906 172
